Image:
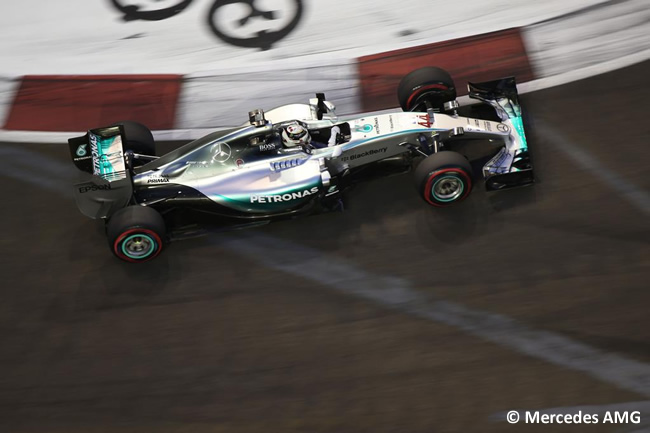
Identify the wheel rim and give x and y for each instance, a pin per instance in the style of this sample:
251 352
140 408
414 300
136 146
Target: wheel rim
448 188
138 246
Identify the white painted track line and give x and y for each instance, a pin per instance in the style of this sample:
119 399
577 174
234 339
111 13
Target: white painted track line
395 293
633 194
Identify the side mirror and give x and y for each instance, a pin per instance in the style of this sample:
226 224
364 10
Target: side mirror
256 117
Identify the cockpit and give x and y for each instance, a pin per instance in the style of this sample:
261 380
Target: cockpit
292 133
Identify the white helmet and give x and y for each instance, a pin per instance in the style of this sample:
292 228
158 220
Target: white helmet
295 135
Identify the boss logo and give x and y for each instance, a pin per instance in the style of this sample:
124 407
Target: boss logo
267 146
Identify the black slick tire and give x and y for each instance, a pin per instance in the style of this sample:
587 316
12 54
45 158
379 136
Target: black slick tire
136 234
444 178
426 84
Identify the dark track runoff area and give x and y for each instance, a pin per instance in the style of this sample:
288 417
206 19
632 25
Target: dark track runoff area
290 327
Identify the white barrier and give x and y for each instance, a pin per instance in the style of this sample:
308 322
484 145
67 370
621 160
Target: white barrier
89 37
600 34
8 87
577 43
225 98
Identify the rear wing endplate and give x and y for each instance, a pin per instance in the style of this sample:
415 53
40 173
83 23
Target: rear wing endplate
101 153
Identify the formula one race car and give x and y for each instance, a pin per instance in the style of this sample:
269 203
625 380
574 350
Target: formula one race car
293 160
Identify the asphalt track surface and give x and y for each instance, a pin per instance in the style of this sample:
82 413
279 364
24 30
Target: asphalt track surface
264 330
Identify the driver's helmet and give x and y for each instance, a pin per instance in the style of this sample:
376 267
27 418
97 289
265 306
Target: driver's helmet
295 135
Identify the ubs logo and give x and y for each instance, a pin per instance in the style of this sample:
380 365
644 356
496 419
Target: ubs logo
242 23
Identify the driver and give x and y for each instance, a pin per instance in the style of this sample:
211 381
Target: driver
295 134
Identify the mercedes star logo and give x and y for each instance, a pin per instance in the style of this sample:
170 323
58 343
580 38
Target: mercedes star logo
221 152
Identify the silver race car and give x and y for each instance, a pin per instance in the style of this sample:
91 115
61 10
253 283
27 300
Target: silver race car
296 159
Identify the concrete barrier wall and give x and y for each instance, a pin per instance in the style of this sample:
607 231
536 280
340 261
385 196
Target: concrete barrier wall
92 36
224 98
479 58
70 102
589 37
354 53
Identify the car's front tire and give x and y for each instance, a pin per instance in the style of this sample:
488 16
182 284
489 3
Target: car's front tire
136 234
444 178
429 84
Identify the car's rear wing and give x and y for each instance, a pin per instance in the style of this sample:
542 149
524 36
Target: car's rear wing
511 166
101 153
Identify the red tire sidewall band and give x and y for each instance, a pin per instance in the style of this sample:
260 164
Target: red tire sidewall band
435 174
422 89
118 251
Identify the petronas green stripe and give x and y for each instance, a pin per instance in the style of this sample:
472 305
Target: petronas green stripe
518 123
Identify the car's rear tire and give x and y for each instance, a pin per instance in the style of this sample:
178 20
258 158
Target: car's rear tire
431 84
136 233
138 138
444 178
